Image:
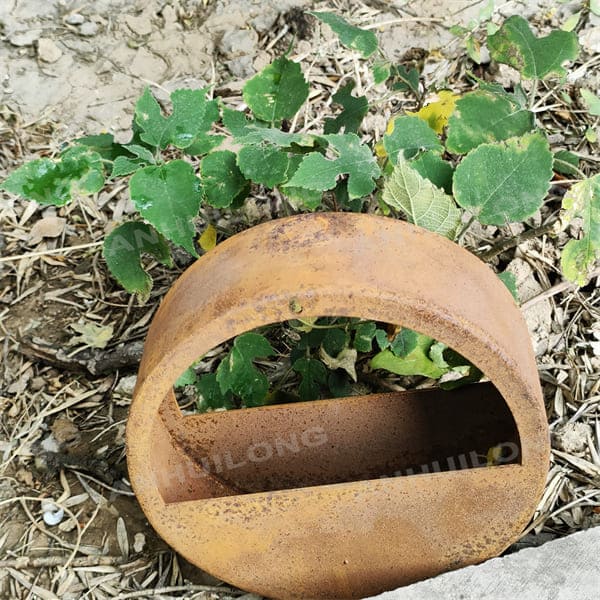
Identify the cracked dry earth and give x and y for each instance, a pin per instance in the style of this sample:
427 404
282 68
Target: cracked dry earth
69 67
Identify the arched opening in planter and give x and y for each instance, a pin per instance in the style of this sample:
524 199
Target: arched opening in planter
285 442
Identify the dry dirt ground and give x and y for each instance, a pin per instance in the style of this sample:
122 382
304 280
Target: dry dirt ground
69 67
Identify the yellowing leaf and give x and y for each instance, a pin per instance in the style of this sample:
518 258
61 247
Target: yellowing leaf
208 239
436 114
92 335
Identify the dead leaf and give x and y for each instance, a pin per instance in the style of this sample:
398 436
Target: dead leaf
92 335
346 360
48 227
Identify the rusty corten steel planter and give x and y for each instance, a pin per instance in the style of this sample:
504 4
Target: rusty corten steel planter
332 499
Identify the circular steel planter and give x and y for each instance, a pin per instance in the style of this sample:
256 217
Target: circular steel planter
340 498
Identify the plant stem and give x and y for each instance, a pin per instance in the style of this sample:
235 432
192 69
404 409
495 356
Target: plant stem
465 228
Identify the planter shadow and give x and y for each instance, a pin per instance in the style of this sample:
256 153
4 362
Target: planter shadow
350 497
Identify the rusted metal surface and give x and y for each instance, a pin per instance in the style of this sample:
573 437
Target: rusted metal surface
340 498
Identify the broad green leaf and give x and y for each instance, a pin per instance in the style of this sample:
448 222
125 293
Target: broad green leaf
363 336
237 122
335 340
104 144
123 165
514 44
237 373
222 179
483 117
591 101
123 249
505 182
578 256
565 162
355 108
416 362
169 197
405 79
277 92
316 172
192 116
263 164
404 342
210 395
433 167
79 170
276 137
203 144
408 135
188 377
314 374
381 71
354 38
141 153
437 113
510 281
309 199
423 204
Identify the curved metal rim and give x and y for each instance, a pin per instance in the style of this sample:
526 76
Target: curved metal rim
339 264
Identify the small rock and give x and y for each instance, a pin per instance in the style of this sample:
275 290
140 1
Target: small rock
37 384
48 51
572 437
140 25
590 40
74 19
139 541
25 38
238 42
88 29
126 385
242 66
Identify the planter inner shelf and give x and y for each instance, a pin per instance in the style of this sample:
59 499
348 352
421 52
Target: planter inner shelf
340 498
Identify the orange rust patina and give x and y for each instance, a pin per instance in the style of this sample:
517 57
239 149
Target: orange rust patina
350 497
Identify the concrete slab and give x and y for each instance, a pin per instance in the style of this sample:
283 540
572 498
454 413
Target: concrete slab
564 569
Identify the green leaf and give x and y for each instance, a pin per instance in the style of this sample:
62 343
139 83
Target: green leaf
405 79
335 340
263 164
405 341
188 377
314 374
433 167
237 373
169 197
565 162
123 165
578 256
381 72
505 182
595 7
192 116
316 172
483 117
123 249
79 170
592 101
203 144
276 137
363 336
423 204
407 136
277 92
415 362
237 122
354 38
222 179
210 395
140 152
510 281
104 144
514 44
355 108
